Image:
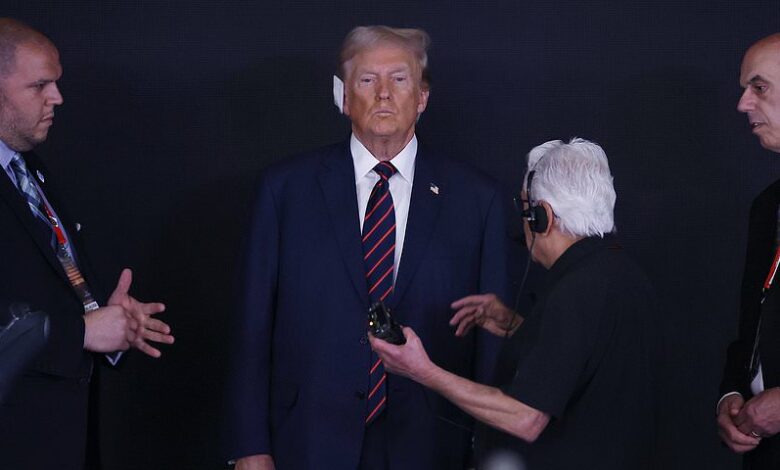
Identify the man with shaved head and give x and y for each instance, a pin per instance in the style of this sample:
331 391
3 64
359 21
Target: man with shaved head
43 419
749 408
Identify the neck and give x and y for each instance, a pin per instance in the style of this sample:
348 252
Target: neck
385 148
553 246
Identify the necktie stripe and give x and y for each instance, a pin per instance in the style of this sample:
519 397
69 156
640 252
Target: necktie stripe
387 293
381 260
376 410
379 384
378 240
378 203
379 222
390 231
379 281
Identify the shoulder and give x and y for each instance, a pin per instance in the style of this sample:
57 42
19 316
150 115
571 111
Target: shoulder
457 171
306 162
767 199
603 272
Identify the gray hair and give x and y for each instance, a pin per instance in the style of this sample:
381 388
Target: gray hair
14 33
362 38
574 179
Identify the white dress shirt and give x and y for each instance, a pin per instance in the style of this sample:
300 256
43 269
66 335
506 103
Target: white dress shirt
400 186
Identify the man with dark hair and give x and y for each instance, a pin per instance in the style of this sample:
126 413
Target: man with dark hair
749 407
43 420
374 219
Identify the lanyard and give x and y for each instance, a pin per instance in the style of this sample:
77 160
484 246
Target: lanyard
65 257
772 271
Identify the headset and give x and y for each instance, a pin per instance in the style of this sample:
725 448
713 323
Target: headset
535 214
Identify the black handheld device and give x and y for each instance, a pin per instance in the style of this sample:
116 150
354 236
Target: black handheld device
383 326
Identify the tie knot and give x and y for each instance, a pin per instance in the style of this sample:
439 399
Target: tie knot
17 163
385 170
18 167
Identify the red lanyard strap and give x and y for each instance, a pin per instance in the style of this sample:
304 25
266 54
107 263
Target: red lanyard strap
770 278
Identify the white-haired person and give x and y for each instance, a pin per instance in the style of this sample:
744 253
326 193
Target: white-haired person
578 392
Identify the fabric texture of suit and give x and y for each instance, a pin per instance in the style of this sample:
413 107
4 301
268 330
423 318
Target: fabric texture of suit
762 232
43 420
301 357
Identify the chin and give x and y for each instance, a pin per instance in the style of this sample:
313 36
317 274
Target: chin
771 145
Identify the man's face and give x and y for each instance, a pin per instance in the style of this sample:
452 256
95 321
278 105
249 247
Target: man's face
383 94
760 77
28 96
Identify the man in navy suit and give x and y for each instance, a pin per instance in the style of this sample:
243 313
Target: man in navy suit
303 388
43 419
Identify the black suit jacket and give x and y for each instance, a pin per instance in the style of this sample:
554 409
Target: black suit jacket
762 232
43 420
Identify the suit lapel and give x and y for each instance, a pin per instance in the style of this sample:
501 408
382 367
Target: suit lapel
337 180
423 214
35 228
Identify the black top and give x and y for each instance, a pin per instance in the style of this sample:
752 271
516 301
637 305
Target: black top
582 356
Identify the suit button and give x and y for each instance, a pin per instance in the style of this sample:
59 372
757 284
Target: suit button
360 395
363 339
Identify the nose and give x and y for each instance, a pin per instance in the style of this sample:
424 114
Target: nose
746 101
55 97
382 89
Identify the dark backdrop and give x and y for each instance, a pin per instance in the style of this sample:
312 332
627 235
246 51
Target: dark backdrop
171 109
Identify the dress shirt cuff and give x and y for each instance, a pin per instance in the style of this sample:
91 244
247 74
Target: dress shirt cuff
717 407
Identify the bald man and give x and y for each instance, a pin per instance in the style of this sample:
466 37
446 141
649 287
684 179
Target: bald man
749 408
43 419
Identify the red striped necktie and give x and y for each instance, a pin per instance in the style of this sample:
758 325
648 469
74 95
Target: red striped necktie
378 258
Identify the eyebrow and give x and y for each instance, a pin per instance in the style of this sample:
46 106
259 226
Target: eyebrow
754 79
399 68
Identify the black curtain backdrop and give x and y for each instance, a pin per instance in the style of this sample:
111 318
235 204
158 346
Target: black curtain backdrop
172 108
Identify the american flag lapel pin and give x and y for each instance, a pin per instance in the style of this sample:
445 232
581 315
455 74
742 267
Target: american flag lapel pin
434 189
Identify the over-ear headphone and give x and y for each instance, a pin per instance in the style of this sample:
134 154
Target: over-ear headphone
535 214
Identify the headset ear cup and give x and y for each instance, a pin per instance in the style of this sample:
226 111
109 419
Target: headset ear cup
540 220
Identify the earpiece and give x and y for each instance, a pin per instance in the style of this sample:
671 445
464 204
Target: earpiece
535 214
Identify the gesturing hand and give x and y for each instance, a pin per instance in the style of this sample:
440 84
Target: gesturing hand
141 326
484 310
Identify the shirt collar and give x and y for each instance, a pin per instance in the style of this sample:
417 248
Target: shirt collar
364 161
6 154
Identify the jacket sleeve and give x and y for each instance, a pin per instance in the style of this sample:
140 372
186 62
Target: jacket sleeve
247 407
761 235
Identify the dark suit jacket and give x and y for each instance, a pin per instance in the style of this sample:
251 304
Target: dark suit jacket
43 419
762 231
301 358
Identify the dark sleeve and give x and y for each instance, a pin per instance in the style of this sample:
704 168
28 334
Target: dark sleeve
247 407
63 353
563 340
758 258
